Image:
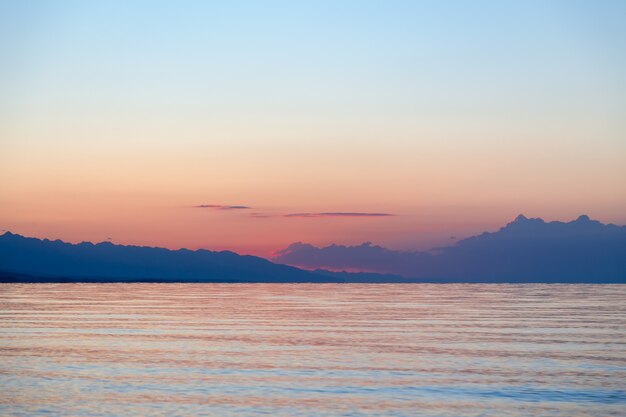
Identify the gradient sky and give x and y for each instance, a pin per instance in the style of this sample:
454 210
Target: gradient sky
118 119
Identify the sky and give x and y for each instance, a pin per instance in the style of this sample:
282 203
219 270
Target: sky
249 125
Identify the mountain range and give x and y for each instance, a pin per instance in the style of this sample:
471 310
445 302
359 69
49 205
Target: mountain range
47 260
525 250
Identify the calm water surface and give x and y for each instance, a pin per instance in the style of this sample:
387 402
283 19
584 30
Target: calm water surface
312 350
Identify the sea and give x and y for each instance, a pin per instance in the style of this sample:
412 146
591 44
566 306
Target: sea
312 350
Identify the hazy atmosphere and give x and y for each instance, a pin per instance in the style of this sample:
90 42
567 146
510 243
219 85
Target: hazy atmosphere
252 125
312 208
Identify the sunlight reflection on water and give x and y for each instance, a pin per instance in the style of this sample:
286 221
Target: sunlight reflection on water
312 350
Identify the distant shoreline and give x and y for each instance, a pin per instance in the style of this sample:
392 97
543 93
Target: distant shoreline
8 278
523 251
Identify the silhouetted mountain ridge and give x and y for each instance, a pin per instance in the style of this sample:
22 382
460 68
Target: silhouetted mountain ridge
524 250
538 228
87 261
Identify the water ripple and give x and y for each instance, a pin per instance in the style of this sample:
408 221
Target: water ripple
312 350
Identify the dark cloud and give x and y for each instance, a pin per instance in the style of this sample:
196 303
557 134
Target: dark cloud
338 214
522 251
304 215
261 215
320 215
222 207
